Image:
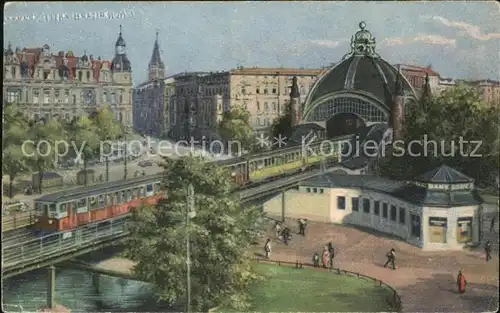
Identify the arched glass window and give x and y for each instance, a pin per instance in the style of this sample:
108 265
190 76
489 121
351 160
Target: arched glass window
368 111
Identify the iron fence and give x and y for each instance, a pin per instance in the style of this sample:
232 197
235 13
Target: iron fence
394 301
17 220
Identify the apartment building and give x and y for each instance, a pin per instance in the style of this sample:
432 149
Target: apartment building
488 89
416 77
47 84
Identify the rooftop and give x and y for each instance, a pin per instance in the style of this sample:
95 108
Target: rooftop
398 189
444 175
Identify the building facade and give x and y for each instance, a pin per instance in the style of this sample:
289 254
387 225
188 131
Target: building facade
48 85
438 210
416 76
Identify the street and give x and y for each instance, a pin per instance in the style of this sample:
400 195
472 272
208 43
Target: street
116 170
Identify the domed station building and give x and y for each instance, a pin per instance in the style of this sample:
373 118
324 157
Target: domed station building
361 90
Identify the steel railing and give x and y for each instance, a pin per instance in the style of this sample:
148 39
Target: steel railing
47 246
43 248
17 220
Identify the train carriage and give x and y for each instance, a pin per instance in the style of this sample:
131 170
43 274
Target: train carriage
70 209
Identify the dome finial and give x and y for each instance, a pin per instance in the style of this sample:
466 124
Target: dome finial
120 29
362 25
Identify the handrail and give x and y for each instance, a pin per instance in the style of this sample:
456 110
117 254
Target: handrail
58 243
18 220
396 300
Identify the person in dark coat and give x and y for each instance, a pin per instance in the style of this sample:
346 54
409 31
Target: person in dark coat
331 251
286 235
316 259
487 249
492 225
391 258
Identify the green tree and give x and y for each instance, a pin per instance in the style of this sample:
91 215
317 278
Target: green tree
282 125
457 114
235 130
108 130
14 133
84 135
220 238
41 156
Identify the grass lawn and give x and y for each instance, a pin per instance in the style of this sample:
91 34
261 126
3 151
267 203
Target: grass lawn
287 289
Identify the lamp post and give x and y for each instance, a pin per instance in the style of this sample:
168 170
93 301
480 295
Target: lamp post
125 170
190 213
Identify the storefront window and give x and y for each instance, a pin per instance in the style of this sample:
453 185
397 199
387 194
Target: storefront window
415 225
464 229
355 204
437 229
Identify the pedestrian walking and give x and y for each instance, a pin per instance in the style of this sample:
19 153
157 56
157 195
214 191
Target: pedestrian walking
302 226
492 224
331 252
461 282
267 248
286 235
277 228
391 258
316 259
487 249
325 258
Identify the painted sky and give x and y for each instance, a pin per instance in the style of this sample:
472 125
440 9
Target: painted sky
459 39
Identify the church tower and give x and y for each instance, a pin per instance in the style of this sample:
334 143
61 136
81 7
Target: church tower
397 112
295 103
120 67
156 68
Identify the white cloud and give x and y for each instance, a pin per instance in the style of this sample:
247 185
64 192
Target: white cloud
428 39
468 29
326 43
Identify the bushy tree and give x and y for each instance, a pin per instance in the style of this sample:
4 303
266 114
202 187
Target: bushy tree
282 125
41 158
235 127
456 114
15 127
220 238
84 135
108 129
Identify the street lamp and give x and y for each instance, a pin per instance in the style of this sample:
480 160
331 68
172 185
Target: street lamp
125 170
190 213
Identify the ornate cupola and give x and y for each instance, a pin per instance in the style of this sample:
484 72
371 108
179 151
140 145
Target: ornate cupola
156 68
120 62
363 43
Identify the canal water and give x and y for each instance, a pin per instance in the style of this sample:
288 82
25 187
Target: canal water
76 291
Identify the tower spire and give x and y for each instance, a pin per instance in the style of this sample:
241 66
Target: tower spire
156 68
397 111
295 102
426 92
120 29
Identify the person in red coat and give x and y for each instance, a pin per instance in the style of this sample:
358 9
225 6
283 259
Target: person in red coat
461 282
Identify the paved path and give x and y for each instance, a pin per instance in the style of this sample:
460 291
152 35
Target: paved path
424 280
